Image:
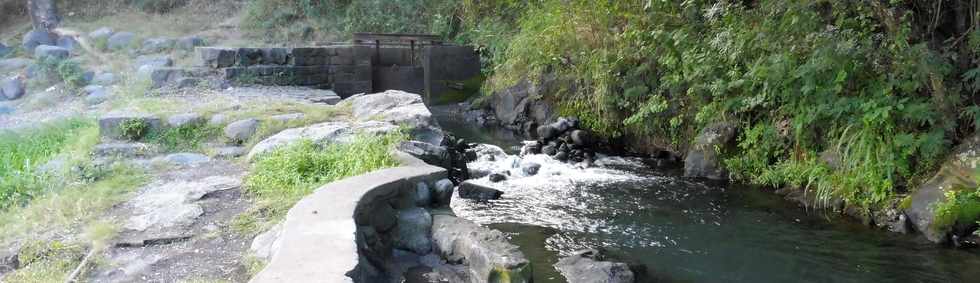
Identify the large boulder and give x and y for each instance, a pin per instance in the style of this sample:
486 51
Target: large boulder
400 108
36 38
520 105
121 40
430 153
242 130
322 133
442 192
587 266
12 88
957 175
51 52
69 43
101 34
488 253
703 159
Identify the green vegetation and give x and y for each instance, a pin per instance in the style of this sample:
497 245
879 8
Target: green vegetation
134 129
23 151
304 19
55 70
186 138
47 262
281 178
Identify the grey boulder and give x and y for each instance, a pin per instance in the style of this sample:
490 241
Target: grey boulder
242 130
185 119
703 159
96 97
100 34
442 192
400 108
587 267
414 231
12 88
51 52
69 43
36 38
430 153
121 40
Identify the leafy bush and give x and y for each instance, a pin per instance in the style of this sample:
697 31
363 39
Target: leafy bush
57 70
188 137
292 19
134 129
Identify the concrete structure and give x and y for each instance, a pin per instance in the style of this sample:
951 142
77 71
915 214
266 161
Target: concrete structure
431 67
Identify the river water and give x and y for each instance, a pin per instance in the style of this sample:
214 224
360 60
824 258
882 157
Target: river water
683 230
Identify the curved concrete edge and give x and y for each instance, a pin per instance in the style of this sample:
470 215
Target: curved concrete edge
318 238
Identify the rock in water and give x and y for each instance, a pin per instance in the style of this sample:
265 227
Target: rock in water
242 130
587 267
12 88
470 190
430 153
414 231
703 160
497 177
530 168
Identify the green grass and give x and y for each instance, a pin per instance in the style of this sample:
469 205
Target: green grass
186 138
22 151
282 177
46 262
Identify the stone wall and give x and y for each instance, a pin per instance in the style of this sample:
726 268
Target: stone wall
349 69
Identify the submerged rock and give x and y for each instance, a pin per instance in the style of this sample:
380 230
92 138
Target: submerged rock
489 254
470 190
587 266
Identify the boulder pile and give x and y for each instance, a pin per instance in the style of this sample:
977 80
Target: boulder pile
563 140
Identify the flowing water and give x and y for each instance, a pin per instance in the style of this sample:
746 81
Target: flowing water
682 230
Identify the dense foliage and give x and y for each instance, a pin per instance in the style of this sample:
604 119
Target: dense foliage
859 100
23 152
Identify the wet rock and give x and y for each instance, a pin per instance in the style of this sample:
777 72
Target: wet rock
442 192
703 160
104 79
185 119
186 159
242 130
12 88
489 254
423 194
125 150
230 152
157 45
414 231
165 211
430 153
36 38
216 57
959 172
121 40
265 245
323 134
400 108
14 64
530 168
515 106
470 190
50 52
497 177
582 138
487 152
100 34
547 132
188 43
587 266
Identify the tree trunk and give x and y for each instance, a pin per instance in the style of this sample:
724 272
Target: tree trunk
44 14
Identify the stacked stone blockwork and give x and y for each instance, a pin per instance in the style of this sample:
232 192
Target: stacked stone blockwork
346 69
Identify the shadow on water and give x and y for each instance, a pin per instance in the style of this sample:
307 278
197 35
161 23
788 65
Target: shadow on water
683 230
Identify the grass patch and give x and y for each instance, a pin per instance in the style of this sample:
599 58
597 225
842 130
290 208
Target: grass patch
189 137
282 177
22 151
46 262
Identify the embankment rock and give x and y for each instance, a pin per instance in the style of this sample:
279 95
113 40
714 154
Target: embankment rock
323 133
400 108
587 266
703 160
414 231
36 38
958 173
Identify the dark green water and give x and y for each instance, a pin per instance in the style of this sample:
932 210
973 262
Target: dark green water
683 230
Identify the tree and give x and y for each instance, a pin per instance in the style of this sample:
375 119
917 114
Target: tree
44 14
